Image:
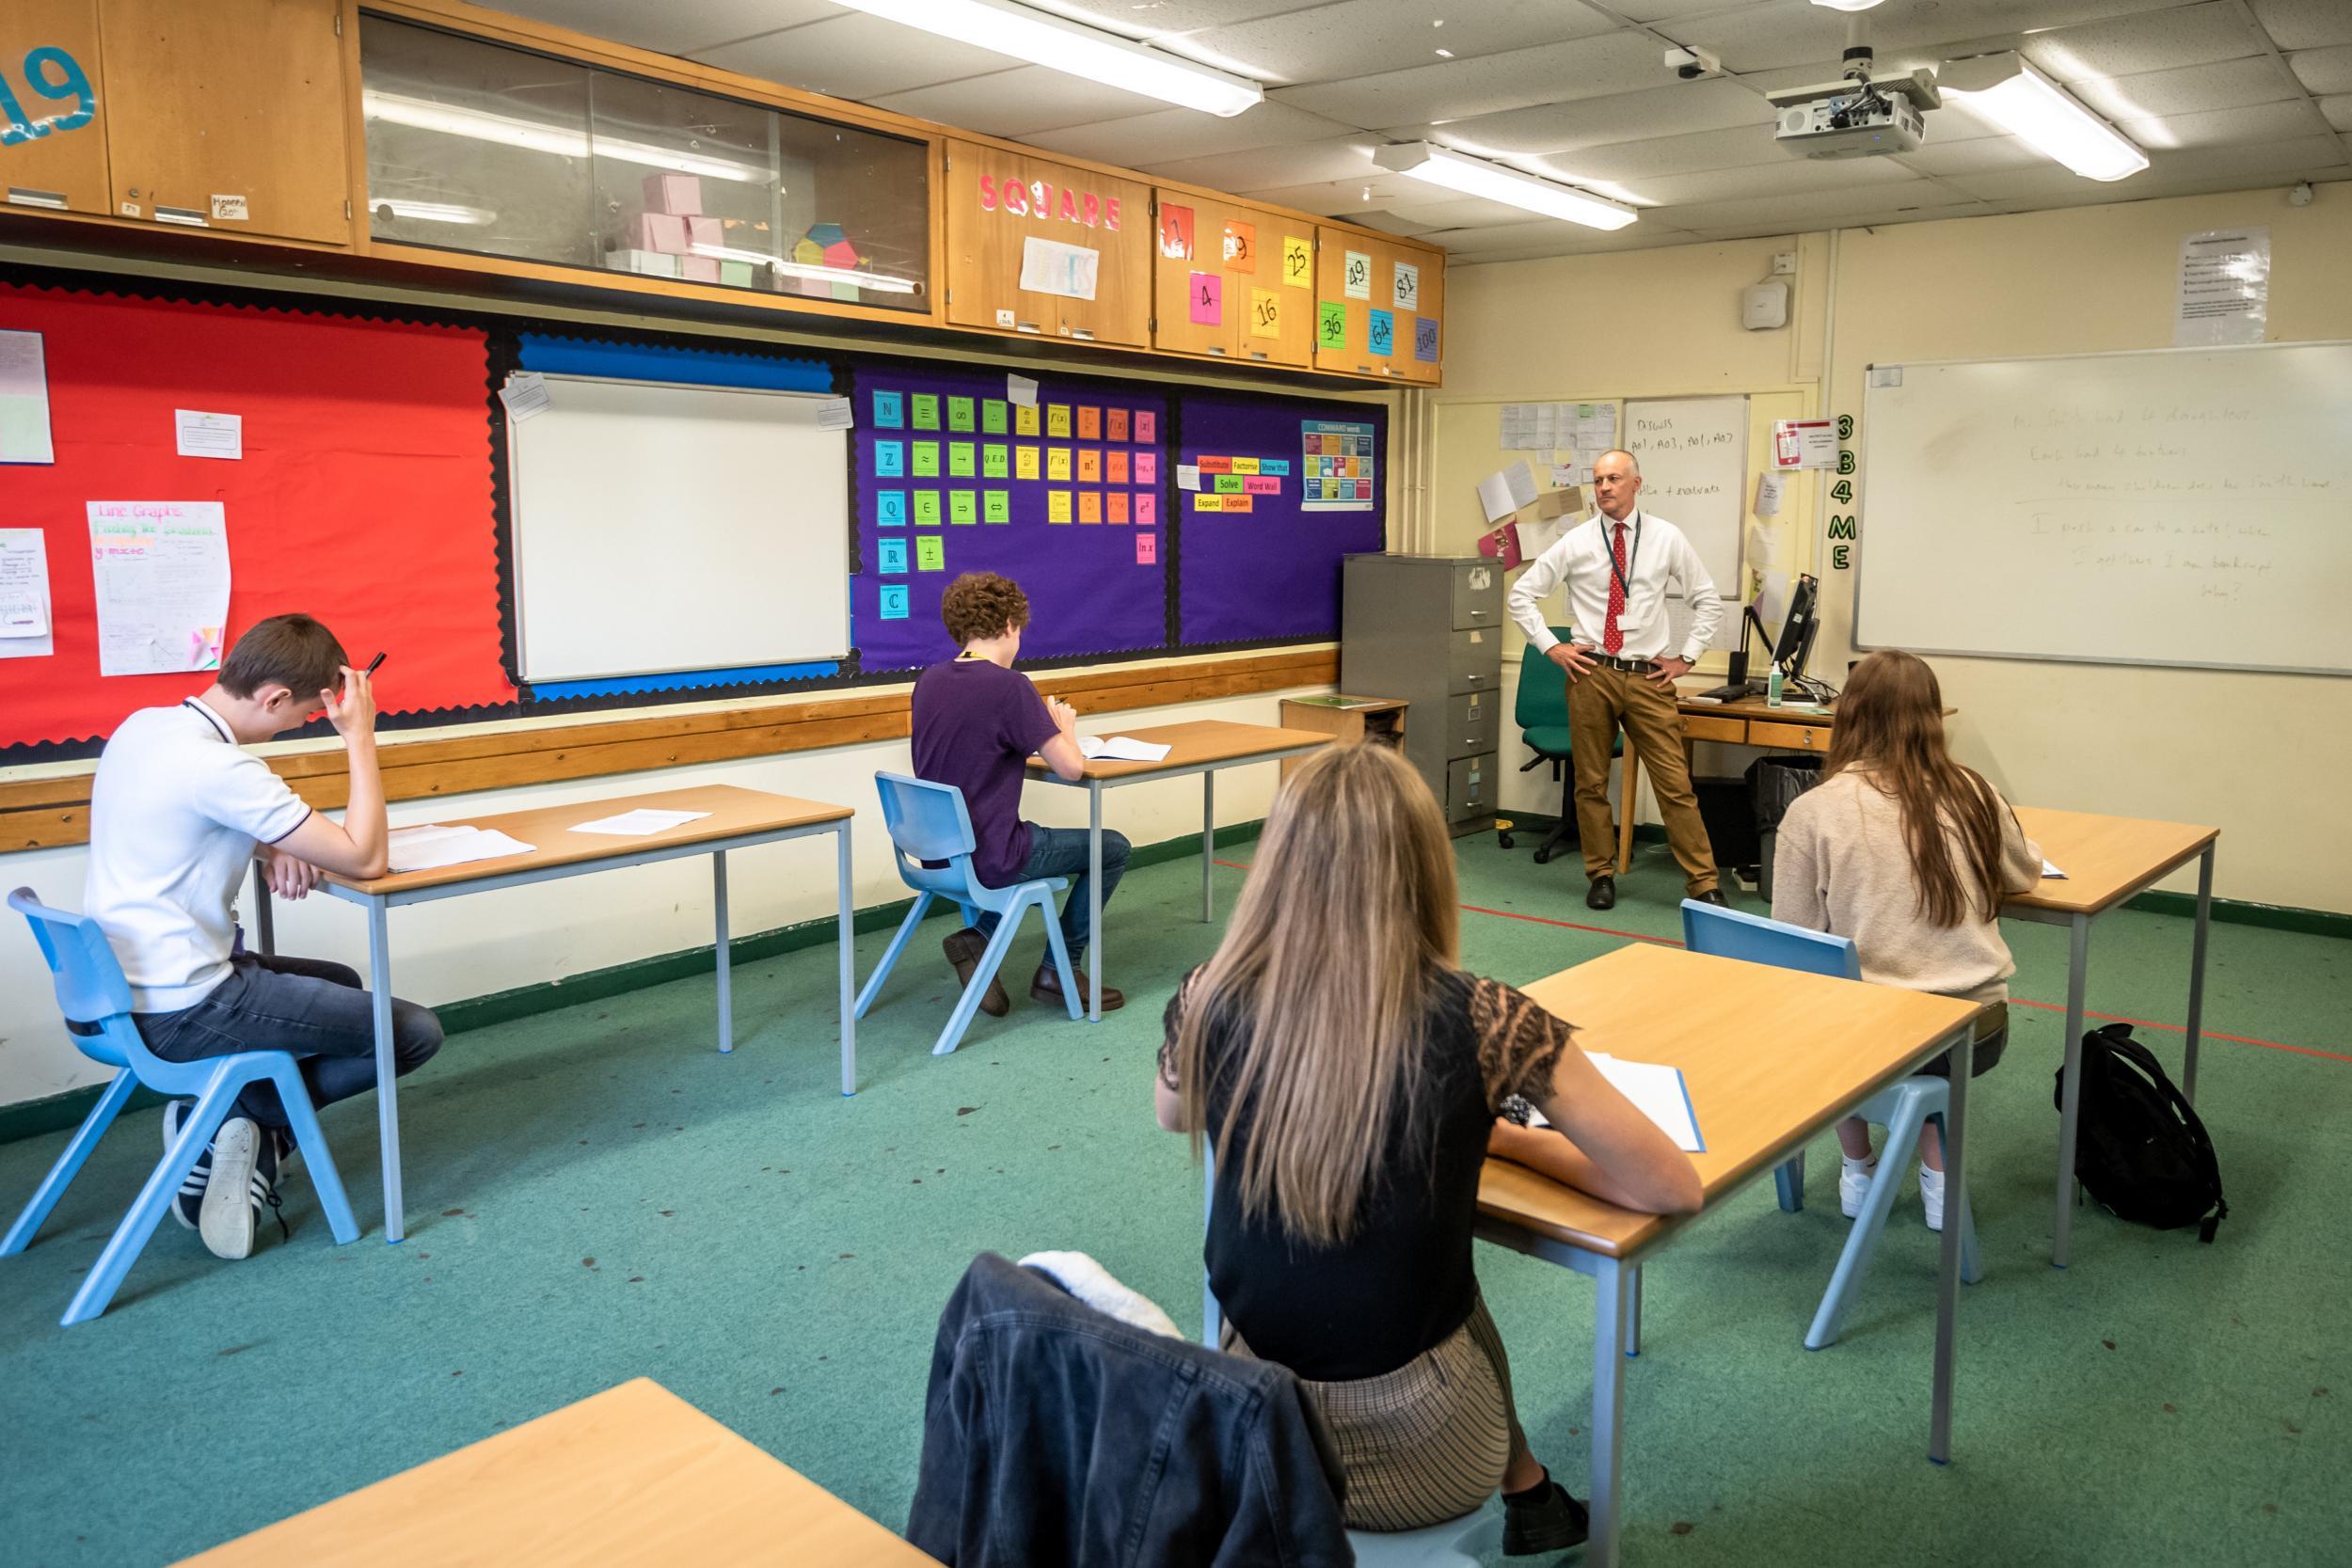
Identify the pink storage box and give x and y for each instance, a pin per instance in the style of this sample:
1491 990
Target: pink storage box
660 231
699 269
676 195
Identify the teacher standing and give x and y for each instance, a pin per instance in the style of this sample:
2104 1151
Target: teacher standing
1618 565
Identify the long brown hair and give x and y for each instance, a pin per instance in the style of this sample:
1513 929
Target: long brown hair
1319 990
1890 730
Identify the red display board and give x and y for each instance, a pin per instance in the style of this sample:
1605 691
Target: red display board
364 496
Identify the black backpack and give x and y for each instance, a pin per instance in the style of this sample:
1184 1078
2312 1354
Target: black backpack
2140 1148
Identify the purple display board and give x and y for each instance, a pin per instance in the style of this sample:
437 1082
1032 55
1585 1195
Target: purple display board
1273 491
1065 496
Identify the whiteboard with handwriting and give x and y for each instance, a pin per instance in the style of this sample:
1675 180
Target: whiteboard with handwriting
2186 507
1693 454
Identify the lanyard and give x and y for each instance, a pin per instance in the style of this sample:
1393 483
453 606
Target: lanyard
1633 556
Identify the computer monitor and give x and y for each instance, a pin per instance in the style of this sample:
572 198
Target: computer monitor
1791 648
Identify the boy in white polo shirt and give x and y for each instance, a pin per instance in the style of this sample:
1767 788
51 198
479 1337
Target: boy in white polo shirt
178 811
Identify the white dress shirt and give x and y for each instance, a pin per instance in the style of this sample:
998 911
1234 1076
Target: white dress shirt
1662 557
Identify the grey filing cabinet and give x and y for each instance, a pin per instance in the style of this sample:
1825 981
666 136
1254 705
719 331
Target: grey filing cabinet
1429 629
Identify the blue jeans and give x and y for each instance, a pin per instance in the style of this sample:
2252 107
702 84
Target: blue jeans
308 1006
1062 852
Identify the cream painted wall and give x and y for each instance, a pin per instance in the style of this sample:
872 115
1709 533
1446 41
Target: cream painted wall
2264 757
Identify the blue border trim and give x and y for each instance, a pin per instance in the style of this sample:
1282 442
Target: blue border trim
693 367
556 690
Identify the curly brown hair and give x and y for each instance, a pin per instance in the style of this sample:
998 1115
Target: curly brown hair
981 604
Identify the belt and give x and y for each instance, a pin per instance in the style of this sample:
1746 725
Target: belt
1632 666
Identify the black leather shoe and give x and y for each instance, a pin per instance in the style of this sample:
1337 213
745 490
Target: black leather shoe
1550 1521
1712 895
1602 895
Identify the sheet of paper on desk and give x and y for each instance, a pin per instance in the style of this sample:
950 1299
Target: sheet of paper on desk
2049 870
1658 1092
640 823
1118 747
428 846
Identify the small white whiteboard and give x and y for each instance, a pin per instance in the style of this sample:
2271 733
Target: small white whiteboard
1693 453
661 529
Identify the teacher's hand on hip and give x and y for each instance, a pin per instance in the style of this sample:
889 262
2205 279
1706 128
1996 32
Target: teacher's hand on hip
1665 671
1577 661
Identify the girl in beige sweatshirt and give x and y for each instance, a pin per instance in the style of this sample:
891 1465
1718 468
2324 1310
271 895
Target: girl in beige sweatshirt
1910 854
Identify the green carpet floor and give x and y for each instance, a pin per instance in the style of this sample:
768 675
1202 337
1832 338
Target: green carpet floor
593 1194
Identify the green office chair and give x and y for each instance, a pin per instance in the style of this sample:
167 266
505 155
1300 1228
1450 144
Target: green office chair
1542 712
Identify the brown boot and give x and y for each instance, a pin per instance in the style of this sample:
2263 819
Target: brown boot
963 949
1047 987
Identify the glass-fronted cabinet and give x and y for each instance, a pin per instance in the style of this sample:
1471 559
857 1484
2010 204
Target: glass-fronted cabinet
477 147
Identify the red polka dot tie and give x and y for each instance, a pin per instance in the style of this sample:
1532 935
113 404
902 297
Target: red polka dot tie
1613 639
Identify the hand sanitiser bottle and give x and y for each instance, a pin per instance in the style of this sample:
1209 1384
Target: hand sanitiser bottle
1772 686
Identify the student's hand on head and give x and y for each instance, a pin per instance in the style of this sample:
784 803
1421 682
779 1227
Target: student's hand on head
353 710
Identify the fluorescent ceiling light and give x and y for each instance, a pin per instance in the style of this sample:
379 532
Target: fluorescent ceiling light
2013 95
1048 41
423 114
1476 177
1847 5
878 281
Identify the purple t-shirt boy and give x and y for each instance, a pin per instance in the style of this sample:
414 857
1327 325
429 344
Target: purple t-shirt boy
975 725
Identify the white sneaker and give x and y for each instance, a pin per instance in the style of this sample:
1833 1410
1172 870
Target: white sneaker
227 1224
1931 1196
1854 1183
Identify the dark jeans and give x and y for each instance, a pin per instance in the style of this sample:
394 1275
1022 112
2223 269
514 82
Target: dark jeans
1062 852
315 1010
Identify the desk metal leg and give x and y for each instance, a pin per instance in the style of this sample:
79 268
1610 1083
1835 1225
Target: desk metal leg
387 1093
846 940
2196 977
1612 1297
1208 844
265 916
726 967
1094 900
1949 1270
2071 1092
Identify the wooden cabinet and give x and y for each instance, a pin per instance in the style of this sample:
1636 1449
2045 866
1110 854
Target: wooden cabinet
1230 280
228 115
1376 306
1038 247
53 118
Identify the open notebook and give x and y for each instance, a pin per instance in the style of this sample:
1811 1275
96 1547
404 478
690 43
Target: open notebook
1657 1091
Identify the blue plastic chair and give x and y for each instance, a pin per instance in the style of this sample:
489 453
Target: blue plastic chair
929 822
1902 1109
96 1002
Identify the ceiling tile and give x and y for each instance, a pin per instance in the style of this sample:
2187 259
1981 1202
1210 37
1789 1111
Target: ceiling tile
1791 32
2305 23
1674 10
1390 223
855 57
1262 168
1164 135
1538 235
2222 127
2125 46
2292 158
2325 70
1585 241
1152 19
1814 209
2339 111
1345 199
1595 121
1852 220
1358 38
672 29
2228 84
1458 89
1022 101
1788 177
1741 147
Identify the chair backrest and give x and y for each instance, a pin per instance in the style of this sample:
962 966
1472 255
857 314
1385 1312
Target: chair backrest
928 822
1543 697
1729 934
91 991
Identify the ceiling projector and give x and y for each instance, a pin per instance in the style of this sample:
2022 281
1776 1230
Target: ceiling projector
1855 118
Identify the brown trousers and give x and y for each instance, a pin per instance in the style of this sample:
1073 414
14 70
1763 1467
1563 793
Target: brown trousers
1600 701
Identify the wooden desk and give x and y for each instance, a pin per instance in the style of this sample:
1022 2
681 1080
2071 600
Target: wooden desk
1772 1057
738 819
2108 859
1201 747
1748 721
633 1475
